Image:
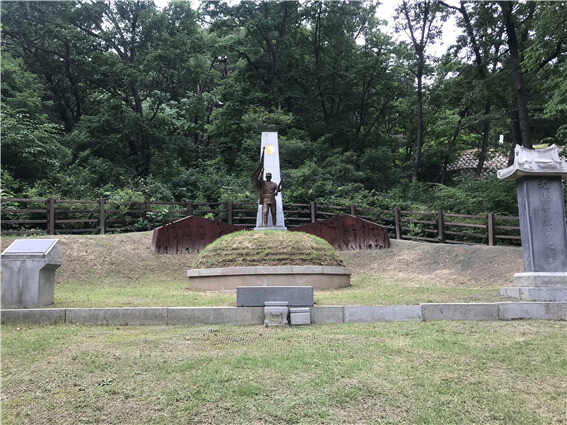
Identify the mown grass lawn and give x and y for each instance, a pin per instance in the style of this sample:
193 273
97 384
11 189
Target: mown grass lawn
408 372
123 271
365 290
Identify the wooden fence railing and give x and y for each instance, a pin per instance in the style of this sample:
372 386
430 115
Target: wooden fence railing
52 217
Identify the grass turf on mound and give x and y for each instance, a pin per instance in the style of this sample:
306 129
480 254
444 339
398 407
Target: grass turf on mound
267 248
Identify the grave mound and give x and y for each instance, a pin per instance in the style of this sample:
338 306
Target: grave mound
267 248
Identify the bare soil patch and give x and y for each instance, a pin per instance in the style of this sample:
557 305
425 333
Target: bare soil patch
450 264
122 258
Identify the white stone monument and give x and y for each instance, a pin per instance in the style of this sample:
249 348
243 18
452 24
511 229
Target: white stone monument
271 165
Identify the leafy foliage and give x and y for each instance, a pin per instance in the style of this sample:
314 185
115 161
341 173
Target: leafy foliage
108 99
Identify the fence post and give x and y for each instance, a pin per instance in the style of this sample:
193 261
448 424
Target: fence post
148 207
490 227
397 223
101 216
50 216
229 211
440 226
313 219
352 210
189 208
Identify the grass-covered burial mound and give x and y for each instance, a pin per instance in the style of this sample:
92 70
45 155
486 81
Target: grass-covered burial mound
267 248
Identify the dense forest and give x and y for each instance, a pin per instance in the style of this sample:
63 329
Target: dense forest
126 100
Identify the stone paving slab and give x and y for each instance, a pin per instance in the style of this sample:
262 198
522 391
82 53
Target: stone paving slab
458 311
35 316
132 316
535 294
215 315
327 314
510 292
537 279
542 311
381 313
298 319
255 315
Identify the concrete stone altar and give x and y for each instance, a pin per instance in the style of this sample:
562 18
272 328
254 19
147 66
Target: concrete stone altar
28 273
257 296
543 230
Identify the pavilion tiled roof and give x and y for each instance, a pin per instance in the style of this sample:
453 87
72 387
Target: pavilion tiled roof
469 161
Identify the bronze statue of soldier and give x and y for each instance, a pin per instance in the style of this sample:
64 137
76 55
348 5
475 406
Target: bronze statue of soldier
267 191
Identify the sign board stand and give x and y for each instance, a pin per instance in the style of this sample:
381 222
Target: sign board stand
28 273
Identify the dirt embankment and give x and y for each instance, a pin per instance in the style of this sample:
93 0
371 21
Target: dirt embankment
122 258
127 257
455 264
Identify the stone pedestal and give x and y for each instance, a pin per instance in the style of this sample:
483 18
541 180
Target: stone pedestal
299 316
271 165
28 273
228 278
542 224
276 313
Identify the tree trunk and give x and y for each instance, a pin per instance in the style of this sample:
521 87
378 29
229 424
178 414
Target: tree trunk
444 172
516 138
419 142
144 152
485 139
519 86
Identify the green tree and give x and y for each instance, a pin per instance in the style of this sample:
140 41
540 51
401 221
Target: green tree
140 54
485 45
519 86
39 34
30 142
256 43
421 20
546 57
121 59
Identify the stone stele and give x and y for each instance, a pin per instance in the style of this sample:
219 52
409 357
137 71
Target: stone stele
538 175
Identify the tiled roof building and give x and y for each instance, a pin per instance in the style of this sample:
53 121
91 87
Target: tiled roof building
469 161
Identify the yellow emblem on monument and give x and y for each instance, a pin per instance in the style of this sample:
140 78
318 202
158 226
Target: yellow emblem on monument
270 149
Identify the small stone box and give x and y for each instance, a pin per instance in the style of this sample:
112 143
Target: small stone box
276 313
28 273
257 296
299 316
